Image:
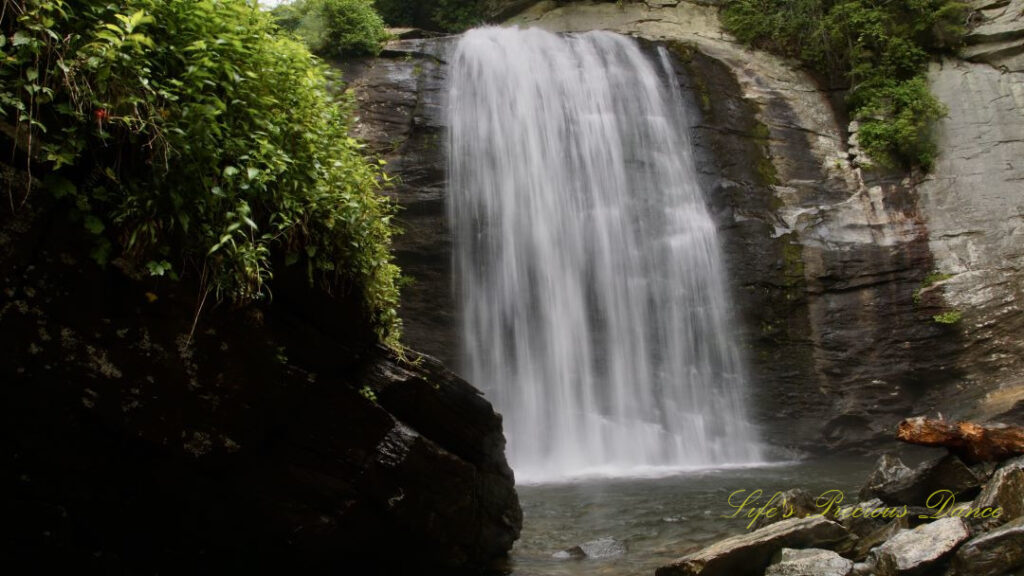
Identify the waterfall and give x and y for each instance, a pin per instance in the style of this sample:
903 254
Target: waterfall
594 309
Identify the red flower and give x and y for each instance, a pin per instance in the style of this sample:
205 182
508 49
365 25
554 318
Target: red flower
100 114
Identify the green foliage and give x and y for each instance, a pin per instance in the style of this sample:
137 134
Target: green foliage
332 27
191 137
877 49
951 317
444 15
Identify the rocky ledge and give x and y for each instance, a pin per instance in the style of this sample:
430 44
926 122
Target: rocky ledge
138 437
942 518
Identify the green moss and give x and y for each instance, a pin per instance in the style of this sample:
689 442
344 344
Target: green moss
951 317
764 168
934 278
793 260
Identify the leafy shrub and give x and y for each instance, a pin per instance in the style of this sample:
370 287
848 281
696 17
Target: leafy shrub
192 138
879 50
331 27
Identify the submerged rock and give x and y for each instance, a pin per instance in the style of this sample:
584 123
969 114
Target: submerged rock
809 562
600 548
911 551
997 552
749 554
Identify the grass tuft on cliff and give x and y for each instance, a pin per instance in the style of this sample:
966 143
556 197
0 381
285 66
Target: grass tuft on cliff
193 138
878 50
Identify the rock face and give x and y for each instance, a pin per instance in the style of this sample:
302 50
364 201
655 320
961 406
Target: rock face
264 439
750 553
838 273
913 551
401 118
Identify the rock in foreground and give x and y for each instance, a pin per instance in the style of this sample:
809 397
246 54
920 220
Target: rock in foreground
810 562
912 551
750 554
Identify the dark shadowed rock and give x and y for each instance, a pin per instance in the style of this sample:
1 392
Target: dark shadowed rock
997 552
810 562
275 438
750 554
865 543
920 549
947 473
866 517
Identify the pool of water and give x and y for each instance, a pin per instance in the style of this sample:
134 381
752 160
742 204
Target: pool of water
657 519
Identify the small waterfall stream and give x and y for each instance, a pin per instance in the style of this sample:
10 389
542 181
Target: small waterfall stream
593 303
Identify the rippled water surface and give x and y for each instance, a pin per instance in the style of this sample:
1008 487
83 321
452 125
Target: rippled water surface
658 519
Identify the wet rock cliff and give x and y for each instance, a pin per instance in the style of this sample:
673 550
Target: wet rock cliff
862 296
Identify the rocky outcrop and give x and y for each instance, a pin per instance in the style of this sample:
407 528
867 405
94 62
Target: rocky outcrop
861 296
142 436
997 38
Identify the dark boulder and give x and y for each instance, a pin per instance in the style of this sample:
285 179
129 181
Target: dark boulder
275 438
947 474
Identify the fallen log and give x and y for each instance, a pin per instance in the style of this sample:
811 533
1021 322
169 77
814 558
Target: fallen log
971 442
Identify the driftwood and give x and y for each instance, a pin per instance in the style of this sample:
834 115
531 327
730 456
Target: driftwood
971 442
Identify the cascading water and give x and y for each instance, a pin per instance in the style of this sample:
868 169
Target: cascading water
594 311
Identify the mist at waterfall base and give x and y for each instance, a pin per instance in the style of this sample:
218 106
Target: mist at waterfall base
594 309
